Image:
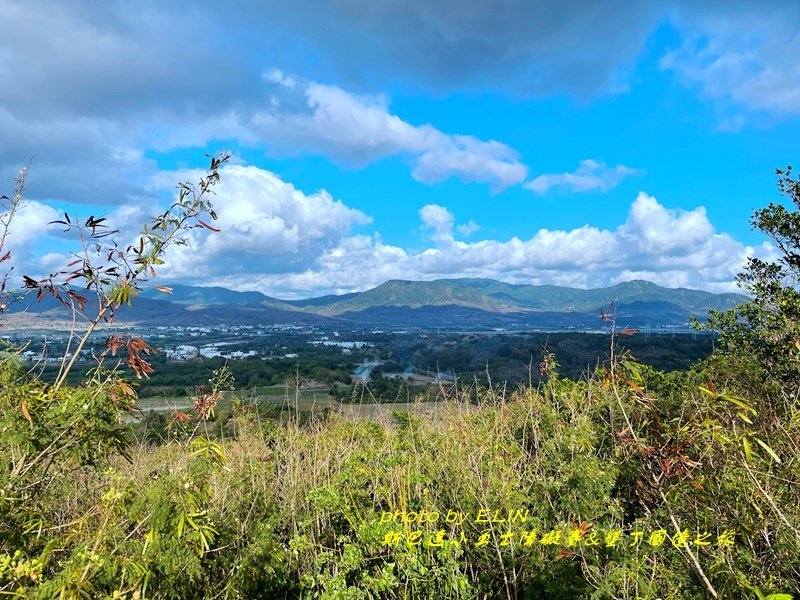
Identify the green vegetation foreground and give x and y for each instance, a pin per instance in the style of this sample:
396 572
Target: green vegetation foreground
344 509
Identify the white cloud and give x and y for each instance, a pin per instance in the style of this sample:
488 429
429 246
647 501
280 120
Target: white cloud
440 220
361 129
653 229
744 61
293 244
326 119
267 225
468 228
668 246
27 232
589 176
471 160
29 223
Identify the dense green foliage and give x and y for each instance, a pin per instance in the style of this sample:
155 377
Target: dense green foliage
768 326
513 357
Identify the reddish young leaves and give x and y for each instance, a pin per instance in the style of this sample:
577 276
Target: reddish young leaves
80 300
134 348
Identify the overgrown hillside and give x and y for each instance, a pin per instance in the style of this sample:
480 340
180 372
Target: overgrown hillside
575 490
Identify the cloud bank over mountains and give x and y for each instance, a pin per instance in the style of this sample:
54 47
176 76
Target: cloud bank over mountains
296 245
279 240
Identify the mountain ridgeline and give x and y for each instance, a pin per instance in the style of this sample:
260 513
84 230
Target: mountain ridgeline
452 303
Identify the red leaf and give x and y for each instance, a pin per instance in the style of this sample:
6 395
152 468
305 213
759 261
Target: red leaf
207 226
77 298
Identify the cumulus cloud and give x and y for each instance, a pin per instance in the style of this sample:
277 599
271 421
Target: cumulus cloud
328 120
267 225
30 222
27 231
325 119
654 229
588 177
668 246
440 220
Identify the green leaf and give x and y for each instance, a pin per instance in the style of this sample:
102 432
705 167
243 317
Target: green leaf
739 402
148 539
748 451
769 450
779 597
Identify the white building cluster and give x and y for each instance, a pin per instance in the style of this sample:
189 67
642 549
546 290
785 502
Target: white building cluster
184 352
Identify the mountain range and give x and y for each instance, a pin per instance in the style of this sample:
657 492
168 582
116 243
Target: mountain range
467 303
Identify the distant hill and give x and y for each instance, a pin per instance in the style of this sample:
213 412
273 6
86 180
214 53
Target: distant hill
322 300
188 295
416 294
633 299
441 303
551 297
464 317
147 310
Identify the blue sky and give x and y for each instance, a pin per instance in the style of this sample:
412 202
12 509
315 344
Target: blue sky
579 143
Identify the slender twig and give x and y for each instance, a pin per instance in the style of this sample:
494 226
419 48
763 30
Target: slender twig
693 558
770 500
16 202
